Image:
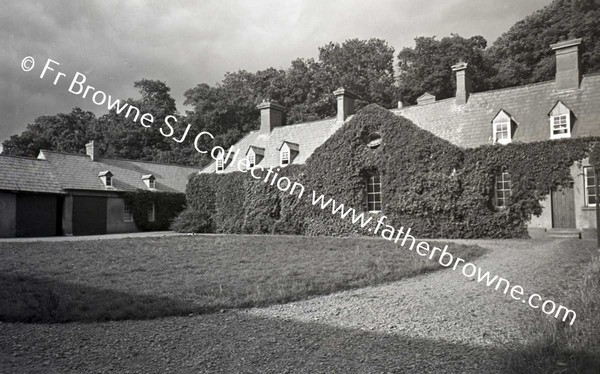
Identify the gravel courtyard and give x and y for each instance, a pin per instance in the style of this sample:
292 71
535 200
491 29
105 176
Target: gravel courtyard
438 322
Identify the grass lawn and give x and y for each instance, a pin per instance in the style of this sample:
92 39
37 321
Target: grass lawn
157 277
554 346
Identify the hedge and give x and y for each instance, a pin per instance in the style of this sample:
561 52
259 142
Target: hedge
429 184
167 206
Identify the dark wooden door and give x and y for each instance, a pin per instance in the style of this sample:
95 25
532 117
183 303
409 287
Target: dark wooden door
36 215
563 208
89 215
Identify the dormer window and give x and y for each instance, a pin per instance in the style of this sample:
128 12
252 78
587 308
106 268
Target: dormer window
560 121
149 181
285 158
287 152
220 164
254 155
502 127
107 178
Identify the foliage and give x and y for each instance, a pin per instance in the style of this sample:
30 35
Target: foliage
64 132
595 156
200 205
167 205
429 185
305 89
535 169
427 66
522 55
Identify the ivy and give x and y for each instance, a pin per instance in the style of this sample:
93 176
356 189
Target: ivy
428 184
167 205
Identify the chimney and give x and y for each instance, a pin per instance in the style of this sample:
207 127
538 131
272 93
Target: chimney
271 116
91 151
464 86
568 62
345 104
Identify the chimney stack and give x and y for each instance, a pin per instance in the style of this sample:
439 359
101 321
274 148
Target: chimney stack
345 104
568 62
464 86
271 116
91 151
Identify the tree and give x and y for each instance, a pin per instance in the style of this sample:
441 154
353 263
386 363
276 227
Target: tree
427 66
124 138
64 132
228 110
365 67
522 55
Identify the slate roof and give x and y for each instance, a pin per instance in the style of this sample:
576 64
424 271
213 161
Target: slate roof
79 172
27 175
308 135
469 125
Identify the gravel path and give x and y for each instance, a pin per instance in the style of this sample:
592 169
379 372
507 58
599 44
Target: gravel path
435 323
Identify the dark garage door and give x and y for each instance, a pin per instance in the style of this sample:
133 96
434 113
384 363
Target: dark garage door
89 215
36 215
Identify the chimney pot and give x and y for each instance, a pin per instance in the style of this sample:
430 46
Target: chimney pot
271 116
91 151
464 85
345 104
568 63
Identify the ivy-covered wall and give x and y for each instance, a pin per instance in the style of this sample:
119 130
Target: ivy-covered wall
428 184
167 206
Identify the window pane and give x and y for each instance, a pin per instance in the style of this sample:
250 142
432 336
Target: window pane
373 193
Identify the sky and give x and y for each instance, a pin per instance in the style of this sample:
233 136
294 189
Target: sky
185 43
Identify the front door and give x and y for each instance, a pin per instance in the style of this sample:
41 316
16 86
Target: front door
563 208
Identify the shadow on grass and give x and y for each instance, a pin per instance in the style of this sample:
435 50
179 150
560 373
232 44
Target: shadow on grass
41 300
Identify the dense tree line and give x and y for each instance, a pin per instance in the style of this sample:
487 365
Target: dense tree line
228 109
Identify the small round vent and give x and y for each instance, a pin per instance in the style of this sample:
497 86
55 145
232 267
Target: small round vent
374 140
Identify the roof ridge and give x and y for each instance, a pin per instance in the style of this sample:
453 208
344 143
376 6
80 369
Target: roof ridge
307 122
480 93
118 159
23 157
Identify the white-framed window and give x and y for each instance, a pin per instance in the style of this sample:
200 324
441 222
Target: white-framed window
152 184
502 128
220 164
285 158
502 189
374 193
127 215
560 126
109 181
251 160
589 178
151 212
560 121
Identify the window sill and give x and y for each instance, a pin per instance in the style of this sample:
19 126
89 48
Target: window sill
588 208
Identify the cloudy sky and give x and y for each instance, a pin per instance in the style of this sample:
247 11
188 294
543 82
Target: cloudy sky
115 43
